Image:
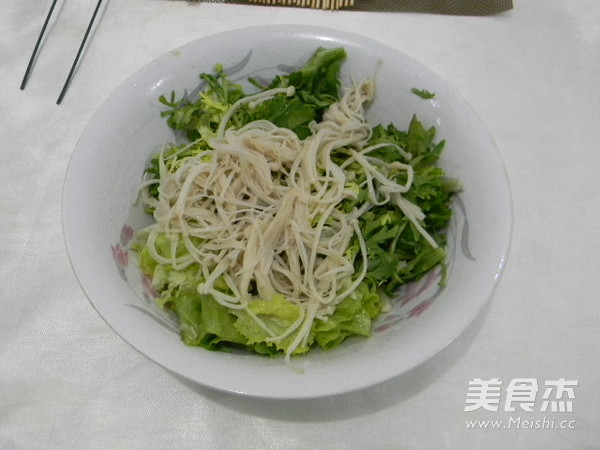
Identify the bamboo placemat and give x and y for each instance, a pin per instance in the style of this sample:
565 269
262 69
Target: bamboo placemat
450 7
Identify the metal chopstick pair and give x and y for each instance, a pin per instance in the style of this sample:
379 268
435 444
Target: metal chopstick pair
77 57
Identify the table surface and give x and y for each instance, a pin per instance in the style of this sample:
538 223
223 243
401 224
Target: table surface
68 381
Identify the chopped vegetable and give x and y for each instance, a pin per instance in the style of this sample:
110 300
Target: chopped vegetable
422 93
287 219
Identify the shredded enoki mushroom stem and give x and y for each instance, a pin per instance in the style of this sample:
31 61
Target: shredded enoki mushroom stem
258 211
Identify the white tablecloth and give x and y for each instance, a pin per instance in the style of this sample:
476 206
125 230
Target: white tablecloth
68 381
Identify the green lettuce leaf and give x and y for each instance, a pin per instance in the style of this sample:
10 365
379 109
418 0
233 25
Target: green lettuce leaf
278 315
353 316
204 322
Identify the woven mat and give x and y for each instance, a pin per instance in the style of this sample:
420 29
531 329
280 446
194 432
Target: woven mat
451 7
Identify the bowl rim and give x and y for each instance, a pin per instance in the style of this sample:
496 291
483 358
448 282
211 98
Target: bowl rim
291 31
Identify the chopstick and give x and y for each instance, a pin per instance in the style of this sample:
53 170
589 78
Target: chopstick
37 46
77 57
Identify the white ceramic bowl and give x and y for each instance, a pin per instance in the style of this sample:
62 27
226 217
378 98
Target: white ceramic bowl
107 165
